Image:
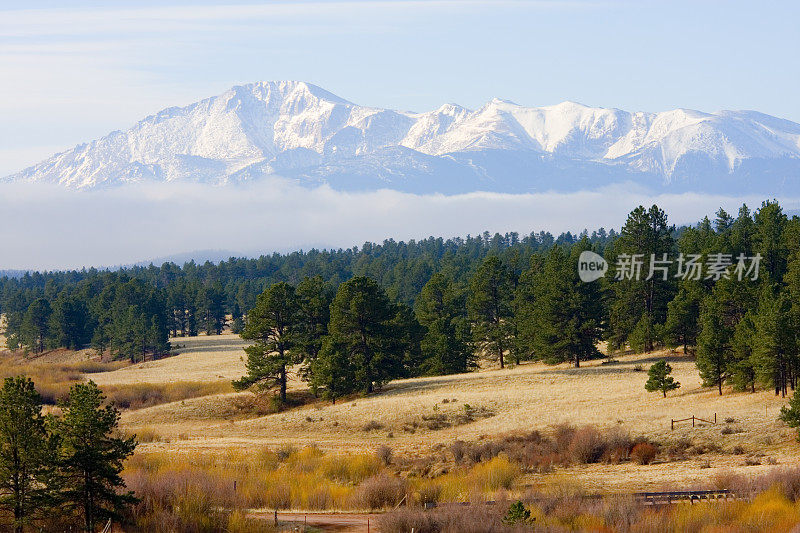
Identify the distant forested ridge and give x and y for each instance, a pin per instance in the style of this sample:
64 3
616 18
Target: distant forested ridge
132 310
363 316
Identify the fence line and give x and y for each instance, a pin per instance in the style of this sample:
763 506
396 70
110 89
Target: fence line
693 418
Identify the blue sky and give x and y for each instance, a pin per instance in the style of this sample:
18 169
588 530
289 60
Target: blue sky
68 75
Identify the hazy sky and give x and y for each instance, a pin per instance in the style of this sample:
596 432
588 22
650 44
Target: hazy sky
49 227
69 75
72 74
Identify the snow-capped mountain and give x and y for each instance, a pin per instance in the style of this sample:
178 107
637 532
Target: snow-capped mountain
302 132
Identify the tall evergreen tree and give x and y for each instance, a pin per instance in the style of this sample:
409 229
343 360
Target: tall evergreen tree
406 340
333 372
683 315
92 456
775 342
714 352
568 314
27 485
71 322
35 327
769 240
640 305
742 367
447 342
491 291
314 298
272 325
363 334
524 307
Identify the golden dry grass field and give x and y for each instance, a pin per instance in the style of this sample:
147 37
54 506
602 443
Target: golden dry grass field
529 396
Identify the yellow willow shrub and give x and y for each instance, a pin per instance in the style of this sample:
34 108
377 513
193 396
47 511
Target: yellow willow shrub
312 491
482 479
497 473
350 468
687 517
266 459
769 511
306 460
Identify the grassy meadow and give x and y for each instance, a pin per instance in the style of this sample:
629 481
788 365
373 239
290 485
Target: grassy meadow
534 432
413 416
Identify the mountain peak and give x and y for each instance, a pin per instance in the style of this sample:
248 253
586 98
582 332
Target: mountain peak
298 130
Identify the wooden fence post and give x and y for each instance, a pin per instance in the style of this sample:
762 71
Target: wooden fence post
672 424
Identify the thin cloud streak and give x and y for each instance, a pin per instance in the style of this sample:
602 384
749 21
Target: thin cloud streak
44 227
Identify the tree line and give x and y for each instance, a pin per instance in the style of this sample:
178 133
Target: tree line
745 329
435 306
109 312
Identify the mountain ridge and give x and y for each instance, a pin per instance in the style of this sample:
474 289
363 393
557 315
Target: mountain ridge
302 132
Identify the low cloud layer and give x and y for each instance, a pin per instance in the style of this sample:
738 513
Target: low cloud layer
45 227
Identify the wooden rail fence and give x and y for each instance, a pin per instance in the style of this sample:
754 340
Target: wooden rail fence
683 496
693 419
648 498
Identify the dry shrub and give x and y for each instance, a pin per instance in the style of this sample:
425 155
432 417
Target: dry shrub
185 499
586 446
307 459
768 511
278 496
563 436
618 445
785 480
319 499
458 449
285 451
384 454
644 453
379 492
473 519
372 425
147 434
429 493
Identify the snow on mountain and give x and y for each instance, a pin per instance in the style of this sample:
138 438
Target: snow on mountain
302 132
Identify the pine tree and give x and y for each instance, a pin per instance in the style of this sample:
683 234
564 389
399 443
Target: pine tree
791 413
491 291
742 366
362 339
70 322
447 343
27 484
683 315
568 312
314 298
769 228
332 371
640 304
525 309
659 378
91 456
272 325
36 325
714 351
405 341
775 342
